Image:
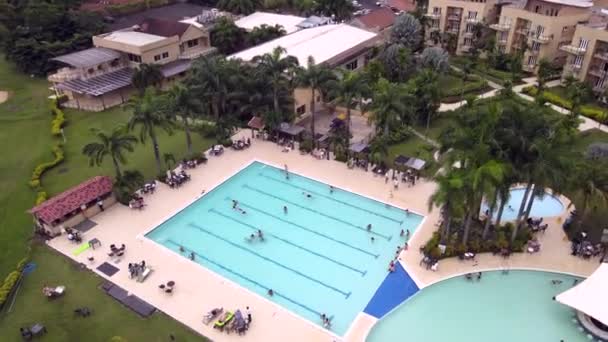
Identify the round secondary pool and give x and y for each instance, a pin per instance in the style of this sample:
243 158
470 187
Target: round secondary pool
512 307
543 206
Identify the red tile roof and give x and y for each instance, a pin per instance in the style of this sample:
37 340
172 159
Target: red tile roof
256 122
403 5
163 28
380 18
66 202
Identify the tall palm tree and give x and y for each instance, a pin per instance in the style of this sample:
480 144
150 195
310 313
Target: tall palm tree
183 103
146 75
316 77
113 145
388 105
449 196
347 89
149 115
277 67
214 80
592 184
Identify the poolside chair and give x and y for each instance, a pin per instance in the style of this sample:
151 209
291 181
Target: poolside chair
223 320
212 315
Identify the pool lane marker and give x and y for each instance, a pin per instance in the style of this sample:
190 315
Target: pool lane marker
333 199
308 229
225 268
387 237
254 228
344 293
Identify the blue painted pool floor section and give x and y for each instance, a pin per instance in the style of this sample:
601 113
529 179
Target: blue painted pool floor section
397 287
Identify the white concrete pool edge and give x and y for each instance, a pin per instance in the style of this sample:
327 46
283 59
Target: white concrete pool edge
144 239
460 274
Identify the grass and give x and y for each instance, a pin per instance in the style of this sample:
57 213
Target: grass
108 319
413 147
25 133
563 93
484 70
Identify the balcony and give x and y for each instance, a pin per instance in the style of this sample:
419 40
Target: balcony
65 74
573 49
600 88
500 27
455 17
541 38
534 52
467 34
603 55
502 41
434 16
523 31
433 28
452 30
598 72
192 54
529 67
473 20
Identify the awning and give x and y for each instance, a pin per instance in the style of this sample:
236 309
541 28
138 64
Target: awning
409 162
175 67
88 58
99 85
590 296
401 160
292 130
358 147
256 122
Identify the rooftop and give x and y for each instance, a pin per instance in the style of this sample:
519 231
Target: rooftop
89 57
99 85
132 38
380 18
163 28
70 200
322 43
288 22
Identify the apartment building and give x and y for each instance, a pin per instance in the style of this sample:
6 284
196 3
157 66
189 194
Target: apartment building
458 17
100 77
588 54
540 28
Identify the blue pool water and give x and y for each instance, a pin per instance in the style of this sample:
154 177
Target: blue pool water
317 258
546 206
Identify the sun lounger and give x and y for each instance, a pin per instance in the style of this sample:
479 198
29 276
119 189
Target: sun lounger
143 275
239 324
224 320
212 315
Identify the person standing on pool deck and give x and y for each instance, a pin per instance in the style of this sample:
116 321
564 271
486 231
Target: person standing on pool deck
248 312
192 256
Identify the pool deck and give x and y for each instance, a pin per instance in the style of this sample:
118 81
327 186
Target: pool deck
198 290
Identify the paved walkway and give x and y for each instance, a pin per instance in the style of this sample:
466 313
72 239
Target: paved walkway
272 322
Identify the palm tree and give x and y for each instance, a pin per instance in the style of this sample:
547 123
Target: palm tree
149 115
449 196
592 184
183 103
146 75
388 105
349 87
226 36
214 81
316 77
113 145
277 68
544 73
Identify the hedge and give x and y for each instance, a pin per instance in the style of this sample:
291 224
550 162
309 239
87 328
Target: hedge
10 281
467 88
41 196
41 168
591 112
58 121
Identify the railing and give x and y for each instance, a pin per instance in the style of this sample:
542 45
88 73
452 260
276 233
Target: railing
529 67
453 30
196 53
598 72
573 49
541 38
467 34
68 74
603 55
454 17
500 27
523 31
473 20
433 15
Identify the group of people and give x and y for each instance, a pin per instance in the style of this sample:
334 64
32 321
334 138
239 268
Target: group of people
177 179
189 164
536 224
235 206
241 144
469 276
73 235
407 177
326 321
148 188
137 202
135 269
259 235
581 246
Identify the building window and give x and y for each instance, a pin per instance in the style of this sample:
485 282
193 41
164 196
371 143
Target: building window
165 55
134 58
192 43
301 110
578 61
352 65
157 58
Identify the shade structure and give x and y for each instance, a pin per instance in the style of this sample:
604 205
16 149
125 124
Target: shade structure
401 160
292 130
358 147
99 85
88 58
590 296
256 122
175 67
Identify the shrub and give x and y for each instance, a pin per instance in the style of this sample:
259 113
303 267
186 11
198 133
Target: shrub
227 142
432 243
41 168
123 195
399 135
306 145
58 121
41 196
10 281
475 86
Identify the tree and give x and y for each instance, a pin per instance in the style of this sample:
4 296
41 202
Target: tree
349 87
316 77
591 182
578 93
263 33
239 6
435 58
113 145
388 105
184 104
337 9
227 37
278 69
449 195
426 96
545 71
397 64
148 116
407 31
146 75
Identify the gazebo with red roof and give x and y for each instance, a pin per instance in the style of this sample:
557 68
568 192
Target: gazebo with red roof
256 123
74 205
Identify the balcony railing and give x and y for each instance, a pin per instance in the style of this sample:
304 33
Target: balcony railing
598 72
197 53
523 31
472 20
541 38
454 17
529 67
502 41
467 34
452 30
534 52
603 55
573 49
500 27
600 88
433 15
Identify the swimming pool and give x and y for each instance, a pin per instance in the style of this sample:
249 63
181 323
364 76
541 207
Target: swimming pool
515 307
317 258
546 206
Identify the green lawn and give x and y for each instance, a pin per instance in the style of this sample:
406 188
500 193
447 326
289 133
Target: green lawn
562 92
26 139
452 84
108 319
413 147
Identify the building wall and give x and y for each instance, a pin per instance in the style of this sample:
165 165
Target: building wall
146 52
78 218
589 60
98 103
